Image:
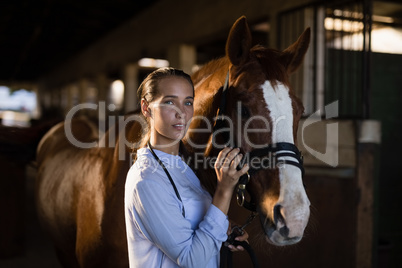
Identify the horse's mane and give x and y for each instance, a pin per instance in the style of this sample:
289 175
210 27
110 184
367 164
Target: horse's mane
209 68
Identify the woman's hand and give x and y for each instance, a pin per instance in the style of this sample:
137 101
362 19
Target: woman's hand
226 168
239 238
228 176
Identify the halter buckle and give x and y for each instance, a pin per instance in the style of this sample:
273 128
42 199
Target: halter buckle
240 194
241 188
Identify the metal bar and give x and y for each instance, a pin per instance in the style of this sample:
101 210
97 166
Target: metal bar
367 24
315 44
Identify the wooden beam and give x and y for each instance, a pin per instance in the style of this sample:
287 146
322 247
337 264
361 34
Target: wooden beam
165 23
367 148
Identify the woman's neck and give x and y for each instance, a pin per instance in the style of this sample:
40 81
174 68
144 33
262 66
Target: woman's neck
168 147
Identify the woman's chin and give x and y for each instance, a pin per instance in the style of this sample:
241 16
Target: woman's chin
179 135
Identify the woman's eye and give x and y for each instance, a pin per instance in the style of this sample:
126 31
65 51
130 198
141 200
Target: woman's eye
169 102
189 103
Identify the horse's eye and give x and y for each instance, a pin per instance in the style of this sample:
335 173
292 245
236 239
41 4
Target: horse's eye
245 113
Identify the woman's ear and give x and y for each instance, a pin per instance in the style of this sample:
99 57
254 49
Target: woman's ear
145 108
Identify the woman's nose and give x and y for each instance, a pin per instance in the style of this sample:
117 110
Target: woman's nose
179 113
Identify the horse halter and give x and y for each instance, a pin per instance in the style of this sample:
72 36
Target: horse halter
274 151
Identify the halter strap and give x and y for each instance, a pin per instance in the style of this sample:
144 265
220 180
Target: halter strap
220 120
222 105
274 149
270 150
290 150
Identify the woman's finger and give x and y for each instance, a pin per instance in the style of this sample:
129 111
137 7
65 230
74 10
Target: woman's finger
221 157
236 161
230 157
240 248
242 237
235 249
243 171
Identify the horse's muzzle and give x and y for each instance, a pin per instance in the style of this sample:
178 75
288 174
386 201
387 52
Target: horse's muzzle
282 232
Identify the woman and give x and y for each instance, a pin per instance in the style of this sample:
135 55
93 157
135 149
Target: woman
171 220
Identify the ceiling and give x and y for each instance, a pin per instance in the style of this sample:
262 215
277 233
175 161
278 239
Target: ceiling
37 35
391 8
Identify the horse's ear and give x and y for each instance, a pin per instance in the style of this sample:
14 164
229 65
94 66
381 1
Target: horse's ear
238 44
293 56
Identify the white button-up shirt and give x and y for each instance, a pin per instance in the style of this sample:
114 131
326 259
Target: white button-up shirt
158 235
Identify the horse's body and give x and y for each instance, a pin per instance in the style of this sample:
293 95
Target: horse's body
80 191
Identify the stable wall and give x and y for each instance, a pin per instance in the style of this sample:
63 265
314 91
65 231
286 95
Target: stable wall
386 96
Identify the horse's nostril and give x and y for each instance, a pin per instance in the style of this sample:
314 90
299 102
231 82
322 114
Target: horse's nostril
278 217
280 221
284 231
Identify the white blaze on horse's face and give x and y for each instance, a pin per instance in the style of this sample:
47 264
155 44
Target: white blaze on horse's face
291 211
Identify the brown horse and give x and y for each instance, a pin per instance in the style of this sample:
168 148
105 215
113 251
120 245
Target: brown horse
80 190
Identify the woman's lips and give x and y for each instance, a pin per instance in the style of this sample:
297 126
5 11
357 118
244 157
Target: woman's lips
179 126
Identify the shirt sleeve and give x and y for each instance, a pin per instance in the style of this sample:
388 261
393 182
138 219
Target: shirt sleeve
159 218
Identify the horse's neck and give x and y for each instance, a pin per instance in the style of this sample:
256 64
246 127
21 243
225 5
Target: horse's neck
211 68
207 82
197 137
204 118
114 153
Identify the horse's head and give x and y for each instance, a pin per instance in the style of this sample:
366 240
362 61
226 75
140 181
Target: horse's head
261 113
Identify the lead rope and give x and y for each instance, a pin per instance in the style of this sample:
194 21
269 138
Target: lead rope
227 254
183 212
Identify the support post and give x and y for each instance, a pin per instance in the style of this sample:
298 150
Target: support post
183 57
102 84
131 73
368 142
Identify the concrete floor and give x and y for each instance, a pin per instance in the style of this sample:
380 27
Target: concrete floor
39 252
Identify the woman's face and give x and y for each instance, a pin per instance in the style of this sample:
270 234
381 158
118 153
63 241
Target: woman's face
172 110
